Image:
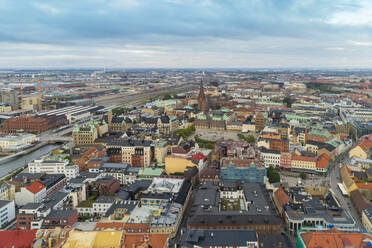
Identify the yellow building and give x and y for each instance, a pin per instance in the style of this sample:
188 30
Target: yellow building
347 180
160 151
7 192
177 164
94 239
303 163
367 219
5 108
358 152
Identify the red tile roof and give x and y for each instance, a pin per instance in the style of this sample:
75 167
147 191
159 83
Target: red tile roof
281 196
198 156
109 225
146 240
304 158
322 161
36 187
17 238
366 145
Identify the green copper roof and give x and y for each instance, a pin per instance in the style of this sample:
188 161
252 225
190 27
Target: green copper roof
150 172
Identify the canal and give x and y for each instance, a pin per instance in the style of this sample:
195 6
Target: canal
10 166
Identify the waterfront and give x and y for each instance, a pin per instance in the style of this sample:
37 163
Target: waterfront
7 167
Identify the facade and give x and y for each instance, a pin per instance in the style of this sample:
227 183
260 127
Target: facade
17 142
137 153
7 191
260 122
367 219
36 124
7 212
202 100
88 133
270 158
10 96
54 166
244 174
33 193
303 210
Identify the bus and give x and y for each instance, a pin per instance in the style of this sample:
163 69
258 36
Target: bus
342 189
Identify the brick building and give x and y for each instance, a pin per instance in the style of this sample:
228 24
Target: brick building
36 124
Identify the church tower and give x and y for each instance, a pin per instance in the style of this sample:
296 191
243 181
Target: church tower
202 100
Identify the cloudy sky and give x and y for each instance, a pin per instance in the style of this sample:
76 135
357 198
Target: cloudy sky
185 33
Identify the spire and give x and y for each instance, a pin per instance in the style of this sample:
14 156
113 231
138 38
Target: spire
202 101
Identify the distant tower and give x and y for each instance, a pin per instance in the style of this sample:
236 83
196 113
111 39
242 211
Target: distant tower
109 117
202 100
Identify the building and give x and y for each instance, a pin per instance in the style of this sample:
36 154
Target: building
137 153
10 96
178 163
329 238
60 218
244 174
270 158
35 124
361 150
88 133
117 124
7 212
219 238
304 210
33 193
202 100
7 191
367 219
10 239
17 142
228 205
54 164
260 122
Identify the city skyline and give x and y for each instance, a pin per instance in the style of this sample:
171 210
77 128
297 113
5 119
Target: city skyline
185 34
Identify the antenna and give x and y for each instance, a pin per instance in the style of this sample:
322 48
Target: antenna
40 107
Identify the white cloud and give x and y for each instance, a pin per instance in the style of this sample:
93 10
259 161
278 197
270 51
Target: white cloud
361 16
360 43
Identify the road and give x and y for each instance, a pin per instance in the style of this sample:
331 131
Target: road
334 179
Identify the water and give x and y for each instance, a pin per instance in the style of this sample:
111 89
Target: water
9 166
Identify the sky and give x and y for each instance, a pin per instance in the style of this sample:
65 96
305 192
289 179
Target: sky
186 34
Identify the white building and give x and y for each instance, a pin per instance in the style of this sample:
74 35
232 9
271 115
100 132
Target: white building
17 142
270 157
7 212
33 193
45 165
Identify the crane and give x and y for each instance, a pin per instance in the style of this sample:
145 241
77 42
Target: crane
39 103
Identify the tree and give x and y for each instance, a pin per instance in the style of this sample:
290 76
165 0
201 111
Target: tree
167 97
273 175
288 101
250 138
303 175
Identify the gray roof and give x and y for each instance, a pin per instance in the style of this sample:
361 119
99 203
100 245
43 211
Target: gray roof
130 142
206 209
60 214
31 206
3 203
127 204
105 199
208 238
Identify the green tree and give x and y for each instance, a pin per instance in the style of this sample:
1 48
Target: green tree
167 97
303 175
288 101
273 175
